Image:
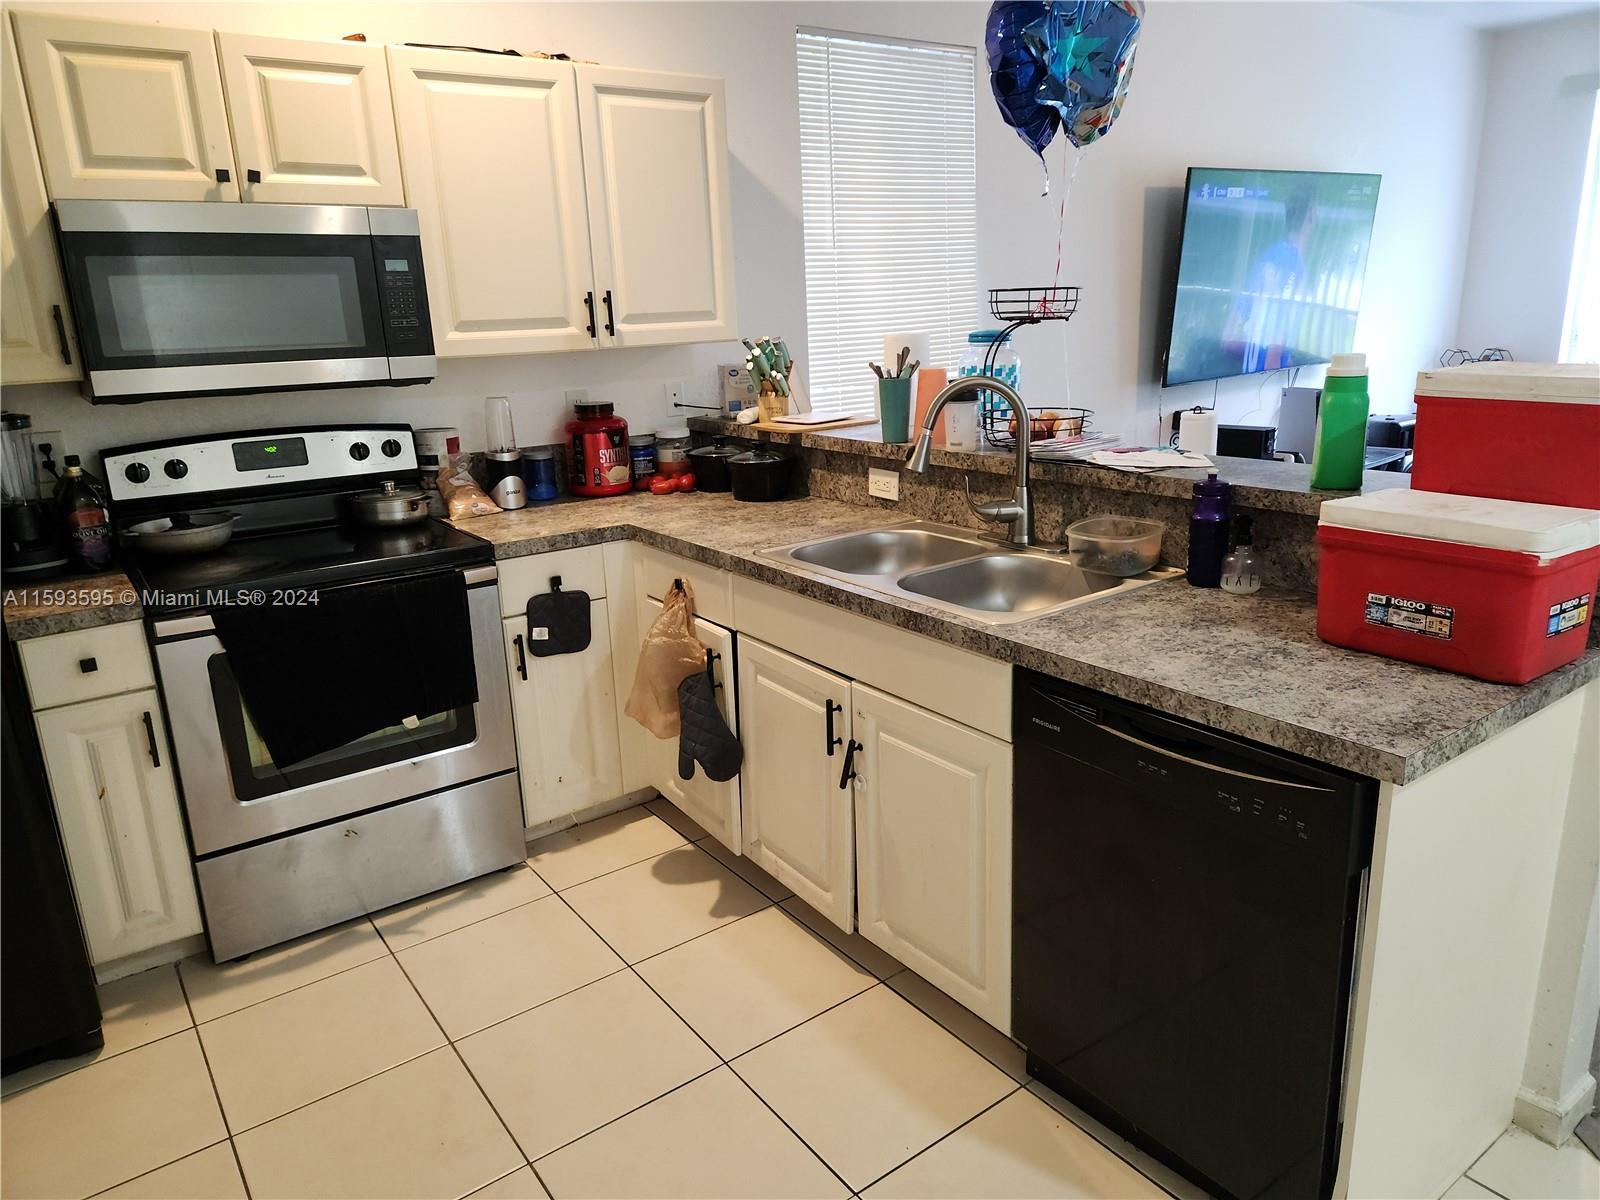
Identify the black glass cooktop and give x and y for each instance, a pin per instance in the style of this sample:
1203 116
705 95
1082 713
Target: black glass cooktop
303 559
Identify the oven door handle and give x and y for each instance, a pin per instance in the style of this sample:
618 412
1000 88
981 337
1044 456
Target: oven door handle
150 740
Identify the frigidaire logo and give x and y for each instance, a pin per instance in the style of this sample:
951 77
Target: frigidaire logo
1046 724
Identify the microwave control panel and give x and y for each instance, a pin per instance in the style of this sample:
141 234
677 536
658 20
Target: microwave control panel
406 325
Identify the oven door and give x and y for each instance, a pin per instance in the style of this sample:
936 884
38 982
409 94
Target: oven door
234 794
189 299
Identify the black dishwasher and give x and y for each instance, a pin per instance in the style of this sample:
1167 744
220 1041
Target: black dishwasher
1185 915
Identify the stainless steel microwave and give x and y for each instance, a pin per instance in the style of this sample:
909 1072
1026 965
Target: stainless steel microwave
204 299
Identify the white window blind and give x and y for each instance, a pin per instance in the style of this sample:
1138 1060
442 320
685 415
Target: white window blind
889 188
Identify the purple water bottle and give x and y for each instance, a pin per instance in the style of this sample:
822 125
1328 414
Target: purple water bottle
1208 530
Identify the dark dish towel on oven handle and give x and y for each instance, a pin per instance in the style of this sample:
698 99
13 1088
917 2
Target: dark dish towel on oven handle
365 657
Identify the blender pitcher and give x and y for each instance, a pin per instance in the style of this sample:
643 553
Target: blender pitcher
32 544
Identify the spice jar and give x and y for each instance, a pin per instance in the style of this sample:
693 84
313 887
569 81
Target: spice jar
672 450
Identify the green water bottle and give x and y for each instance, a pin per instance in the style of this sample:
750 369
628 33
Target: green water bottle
1340 452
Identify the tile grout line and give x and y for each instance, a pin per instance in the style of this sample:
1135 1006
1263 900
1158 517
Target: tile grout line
165 1165
297 987
1480 1182
941 1137
465 925
211 1077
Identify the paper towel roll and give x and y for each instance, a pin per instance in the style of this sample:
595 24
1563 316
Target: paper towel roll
920 351
1197 431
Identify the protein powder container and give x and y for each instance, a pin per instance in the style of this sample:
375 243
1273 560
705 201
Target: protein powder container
599 442
642 458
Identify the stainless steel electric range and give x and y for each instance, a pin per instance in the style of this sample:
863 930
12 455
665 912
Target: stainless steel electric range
281 851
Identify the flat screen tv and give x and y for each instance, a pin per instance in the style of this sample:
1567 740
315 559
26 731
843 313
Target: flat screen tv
1269 272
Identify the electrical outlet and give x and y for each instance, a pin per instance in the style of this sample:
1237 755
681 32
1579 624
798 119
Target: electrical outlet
885 485
576 395
58 450
674 394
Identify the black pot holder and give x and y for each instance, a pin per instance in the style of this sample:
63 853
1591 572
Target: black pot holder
558 622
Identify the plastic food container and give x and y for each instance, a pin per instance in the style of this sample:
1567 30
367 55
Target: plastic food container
1121 546
1496 589
1511 430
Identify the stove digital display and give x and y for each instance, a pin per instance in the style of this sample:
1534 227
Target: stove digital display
270 453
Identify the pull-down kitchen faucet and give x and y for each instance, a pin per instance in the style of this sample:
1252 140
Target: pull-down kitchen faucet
1017 511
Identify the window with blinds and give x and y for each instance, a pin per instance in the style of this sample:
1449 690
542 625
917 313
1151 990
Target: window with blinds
889 188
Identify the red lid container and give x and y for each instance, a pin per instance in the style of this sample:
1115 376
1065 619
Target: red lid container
599 446
1495 589
1511 430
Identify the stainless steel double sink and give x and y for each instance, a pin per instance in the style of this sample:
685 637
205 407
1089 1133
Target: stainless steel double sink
959 571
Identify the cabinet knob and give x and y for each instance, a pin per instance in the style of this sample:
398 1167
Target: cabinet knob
224 175
252 176
88 666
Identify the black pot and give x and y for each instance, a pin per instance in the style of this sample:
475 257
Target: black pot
711 467
760 474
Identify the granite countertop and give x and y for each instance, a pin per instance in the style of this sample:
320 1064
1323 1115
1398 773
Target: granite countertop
1251 666
40 607
1257 483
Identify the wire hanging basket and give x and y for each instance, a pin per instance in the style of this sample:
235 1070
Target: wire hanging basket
1016 307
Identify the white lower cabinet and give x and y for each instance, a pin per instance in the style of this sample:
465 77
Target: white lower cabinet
564 709
933 849
797 808
713 806
117 806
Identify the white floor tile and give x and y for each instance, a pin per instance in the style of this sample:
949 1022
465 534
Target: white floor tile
966 1025
109 1122
569 1066
440 912
210 1174
1465 1189
1170 1181
871 1083
680 821
746 870
879 962
1521 1167
599 846
1019 1148
708 1140
521 1184
420 1130
215 990
752 980
308 1043
134 1011
506 964
656 904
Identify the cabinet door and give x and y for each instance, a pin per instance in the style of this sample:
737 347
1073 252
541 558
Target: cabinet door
713 806
565 714
797 817
933 849
494 170
111 776
35 322
126 112
313 119
655 156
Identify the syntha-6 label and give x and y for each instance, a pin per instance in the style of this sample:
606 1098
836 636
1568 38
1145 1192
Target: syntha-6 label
1411 616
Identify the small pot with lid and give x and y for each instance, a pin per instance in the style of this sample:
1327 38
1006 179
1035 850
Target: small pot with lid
760 474
389 506
711 466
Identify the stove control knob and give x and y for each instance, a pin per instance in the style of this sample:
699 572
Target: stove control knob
176 468
136 472
390 448
359 451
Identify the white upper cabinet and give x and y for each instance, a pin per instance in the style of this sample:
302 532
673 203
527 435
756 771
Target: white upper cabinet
494 168
312 119
125 111
655 154
35 320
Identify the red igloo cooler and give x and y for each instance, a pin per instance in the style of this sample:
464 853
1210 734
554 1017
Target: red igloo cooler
1512 430
1496 589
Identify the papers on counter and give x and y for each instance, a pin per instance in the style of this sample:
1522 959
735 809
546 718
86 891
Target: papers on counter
1144 459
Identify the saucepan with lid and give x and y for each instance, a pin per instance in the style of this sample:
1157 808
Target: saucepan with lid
390 505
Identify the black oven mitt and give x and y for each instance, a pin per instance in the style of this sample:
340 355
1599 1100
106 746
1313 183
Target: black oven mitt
558 622
703 736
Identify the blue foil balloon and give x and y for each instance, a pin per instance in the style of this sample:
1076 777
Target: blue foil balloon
1087 51
1018 71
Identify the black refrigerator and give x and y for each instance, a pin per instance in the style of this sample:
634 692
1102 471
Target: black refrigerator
48 1005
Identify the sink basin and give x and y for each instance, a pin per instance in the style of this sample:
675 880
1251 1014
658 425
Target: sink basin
885 551
1007 583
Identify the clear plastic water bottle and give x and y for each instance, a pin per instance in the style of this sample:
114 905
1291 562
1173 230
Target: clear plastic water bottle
993 412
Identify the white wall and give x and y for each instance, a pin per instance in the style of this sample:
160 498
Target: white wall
1304 85
1540 96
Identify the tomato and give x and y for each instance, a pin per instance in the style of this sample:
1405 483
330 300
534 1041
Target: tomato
685 481
661 485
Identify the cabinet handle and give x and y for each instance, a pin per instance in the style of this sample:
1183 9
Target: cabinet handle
150 739
711 673
849 772
61 333
588 302
611 317
252 176
224 175
522 659
88 666
833 741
